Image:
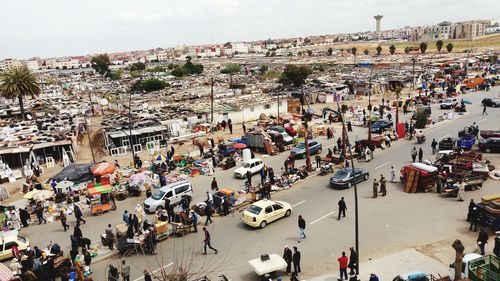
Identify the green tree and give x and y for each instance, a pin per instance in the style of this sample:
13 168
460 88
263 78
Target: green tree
138 66
407 50
178 71
354 51
423 47
158 69
309 53
149 85
379 50
263 69
330 51
366 52
115 75
191 68
295 75
392 49
449 47
439 45
100 63
231 68
19 82
421 119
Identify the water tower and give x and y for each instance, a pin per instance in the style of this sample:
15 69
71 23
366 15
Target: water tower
378 18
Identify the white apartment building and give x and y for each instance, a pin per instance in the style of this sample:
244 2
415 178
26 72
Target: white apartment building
241 48
151 57
162 56
67 64
9 63
256 48
32 64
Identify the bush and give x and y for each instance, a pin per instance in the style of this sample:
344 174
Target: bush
149 85
421 119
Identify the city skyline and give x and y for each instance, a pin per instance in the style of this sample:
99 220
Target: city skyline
86 28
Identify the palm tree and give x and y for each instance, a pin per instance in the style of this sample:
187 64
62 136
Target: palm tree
19 82
449 47
439 45
392 49
379 50
423 47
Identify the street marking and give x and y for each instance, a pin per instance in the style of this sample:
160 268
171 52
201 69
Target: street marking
322 217
154 271
296 204
380 166
443 137
482 120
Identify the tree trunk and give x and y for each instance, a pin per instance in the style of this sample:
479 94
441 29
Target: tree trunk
459 255
397 106
21 106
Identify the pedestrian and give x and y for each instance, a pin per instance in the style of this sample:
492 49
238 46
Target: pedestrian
317 158
215 186
472 204
194 219
375 188
147 275
244 128
110 236
342 207
112 273
383 187
484 109
353 262
39 214
420 154
263 174
339 143
24 216
79 215
77 232
387 140
63 219
249 178
208 213
461 190
287 256
439 183
474 217
393 174
135 223
125 217
434 144
349 126
206 242
373 277
210 199
414 153
230 125
296 260
302 228
343 261
87 259
482 239
496 249
125 271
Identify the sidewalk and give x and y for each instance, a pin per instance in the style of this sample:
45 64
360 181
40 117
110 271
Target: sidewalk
388 267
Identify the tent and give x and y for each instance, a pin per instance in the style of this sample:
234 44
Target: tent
76 173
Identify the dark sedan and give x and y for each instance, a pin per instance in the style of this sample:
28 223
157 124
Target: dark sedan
381 125
490 145
491 102
343 178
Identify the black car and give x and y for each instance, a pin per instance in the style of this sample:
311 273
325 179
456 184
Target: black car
490 145
447 144
490 102
381 125
343 178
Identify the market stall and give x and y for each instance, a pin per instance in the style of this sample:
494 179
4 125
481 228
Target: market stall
100 201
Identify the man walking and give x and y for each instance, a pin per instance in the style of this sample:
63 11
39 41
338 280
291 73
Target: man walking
353 262
110 236
63 219
342 207
414 154
420 154
375 188
393 174
482 239
206 242
434 146
302 228
296 260
79 215
343 261
249 178
215 186
484 109
287 256
208 213
125 271
39 214
474 217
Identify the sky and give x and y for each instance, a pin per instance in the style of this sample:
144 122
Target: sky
55 28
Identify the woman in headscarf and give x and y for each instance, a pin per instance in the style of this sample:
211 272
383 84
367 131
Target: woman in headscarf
139 212
461 190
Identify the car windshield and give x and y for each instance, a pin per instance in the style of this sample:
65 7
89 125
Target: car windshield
342 173
254 209
21 239
246 165
300 145
158 195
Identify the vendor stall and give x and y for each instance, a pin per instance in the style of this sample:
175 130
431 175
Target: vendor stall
100 198
267 264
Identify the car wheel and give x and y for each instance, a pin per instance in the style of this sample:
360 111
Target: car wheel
319 151
366 177
263 224
287 213
488 150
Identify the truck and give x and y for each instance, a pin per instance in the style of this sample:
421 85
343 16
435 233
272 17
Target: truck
478 268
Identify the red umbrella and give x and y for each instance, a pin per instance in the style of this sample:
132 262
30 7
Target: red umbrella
240 146
102 169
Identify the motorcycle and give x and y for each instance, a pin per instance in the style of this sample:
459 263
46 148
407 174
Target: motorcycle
325 169
420 139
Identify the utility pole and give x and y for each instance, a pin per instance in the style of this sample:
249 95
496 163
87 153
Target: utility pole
88 127
278 106
306 127
130 125
212 104
370 105
356 217
413 71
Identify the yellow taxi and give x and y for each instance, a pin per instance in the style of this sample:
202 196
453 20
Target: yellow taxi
262 212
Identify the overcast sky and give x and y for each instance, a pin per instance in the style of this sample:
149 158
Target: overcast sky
48 28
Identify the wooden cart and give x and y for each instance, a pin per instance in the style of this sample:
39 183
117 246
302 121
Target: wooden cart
100 201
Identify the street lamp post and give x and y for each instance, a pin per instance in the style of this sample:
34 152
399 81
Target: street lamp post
88 127
413 60
370 105
306 134
130 125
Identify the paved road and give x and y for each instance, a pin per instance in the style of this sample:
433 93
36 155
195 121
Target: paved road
388 224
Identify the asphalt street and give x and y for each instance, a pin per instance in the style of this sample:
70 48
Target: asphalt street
387 224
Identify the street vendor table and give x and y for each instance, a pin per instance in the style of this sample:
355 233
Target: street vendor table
121 229
274 263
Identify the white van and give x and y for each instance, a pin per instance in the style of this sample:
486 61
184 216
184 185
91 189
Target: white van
465 265
171 191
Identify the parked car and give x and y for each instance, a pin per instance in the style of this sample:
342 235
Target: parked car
299 151
383 124
263 212
172 191
287 139
490 145
490 102
252 165
447 144
486 134
9 239
343 178
448 103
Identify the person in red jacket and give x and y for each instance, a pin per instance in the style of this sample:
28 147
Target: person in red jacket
343 261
